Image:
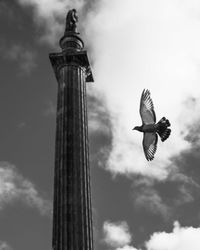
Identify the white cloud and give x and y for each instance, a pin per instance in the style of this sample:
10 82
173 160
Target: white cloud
116 234
49 13
13 186
126 248
148 44
181 238
4 246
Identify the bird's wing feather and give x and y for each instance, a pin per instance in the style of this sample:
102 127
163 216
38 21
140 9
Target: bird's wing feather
150 145
147 112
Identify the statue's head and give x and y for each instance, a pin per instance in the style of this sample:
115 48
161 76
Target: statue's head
71 20
138 128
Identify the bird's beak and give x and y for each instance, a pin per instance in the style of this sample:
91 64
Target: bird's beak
133 128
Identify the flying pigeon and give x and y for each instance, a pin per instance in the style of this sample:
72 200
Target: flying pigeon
149 127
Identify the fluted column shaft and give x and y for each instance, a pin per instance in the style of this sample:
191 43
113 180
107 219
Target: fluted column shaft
72 218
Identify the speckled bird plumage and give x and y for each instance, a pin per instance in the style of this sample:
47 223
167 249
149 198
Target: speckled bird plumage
149 127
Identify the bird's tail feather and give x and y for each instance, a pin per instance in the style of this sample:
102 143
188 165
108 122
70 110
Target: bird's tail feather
164 135
163 130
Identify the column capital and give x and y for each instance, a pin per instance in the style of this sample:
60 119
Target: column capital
60 59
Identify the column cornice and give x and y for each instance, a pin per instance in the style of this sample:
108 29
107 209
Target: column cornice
80 58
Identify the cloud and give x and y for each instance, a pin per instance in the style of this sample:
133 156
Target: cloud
150 200
166 199
13 187
146 196
24 57
98 115
116 234
100 129
181 238
152 45
50 15
4 246
126 248
21 125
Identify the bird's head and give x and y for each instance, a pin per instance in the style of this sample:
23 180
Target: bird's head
138 128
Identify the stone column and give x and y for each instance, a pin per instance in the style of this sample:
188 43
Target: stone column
72 213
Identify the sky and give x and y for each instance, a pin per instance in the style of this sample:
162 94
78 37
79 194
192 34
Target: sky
131 45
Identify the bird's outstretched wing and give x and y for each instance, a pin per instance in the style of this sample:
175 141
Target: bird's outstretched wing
150 145
147 112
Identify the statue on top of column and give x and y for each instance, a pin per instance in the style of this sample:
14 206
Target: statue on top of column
71 20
